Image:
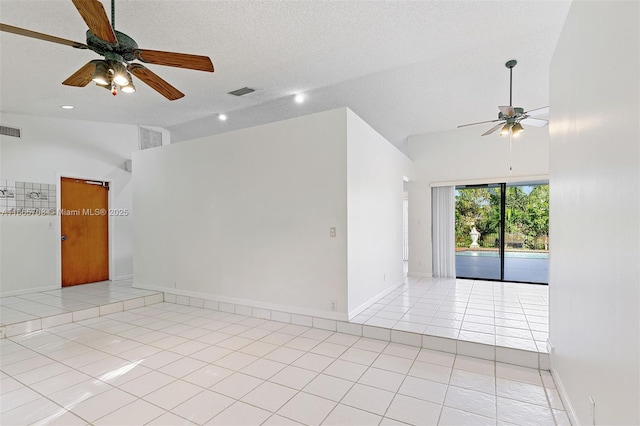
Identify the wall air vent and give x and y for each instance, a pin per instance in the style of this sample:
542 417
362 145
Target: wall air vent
10 131
242 92
149 138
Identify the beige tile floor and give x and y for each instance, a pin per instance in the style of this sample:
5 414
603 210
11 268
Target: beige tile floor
169 364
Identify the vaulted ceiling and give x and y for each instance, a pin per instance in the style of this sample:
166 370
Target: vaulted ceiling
406 67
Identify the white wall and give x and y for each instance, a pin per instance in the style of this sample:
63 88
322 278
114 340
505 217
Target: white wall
595 208
463 156
244 216
375 171
48 147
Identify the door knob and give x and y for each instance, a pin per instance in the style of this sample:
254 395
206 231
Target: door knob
64 237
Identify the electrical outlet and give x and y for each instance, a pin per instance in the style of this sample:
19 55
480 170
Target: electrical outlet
332 232
384 277
334 305
592 410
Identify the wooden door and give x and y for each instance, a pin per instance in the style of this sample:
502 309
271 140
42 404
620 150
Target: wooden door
85 231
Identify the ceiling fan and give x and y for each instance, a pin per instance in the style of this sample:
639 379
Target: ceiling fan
510 117
119 51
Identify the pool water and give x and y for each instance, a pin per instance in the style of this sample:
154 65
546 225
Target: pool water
508 254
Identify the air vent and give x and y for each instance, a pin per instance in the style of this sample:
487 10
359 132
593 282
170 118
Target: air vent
149 138
10 131
242 92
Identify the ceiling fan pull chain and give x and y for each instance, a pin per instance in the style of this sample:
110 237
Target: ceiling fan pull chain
510 156
113 14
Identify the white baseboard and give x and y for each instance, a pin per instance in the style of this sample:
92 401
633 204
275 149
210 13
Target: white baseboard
560 387
420 274
28 290
366 304
296 310
124 277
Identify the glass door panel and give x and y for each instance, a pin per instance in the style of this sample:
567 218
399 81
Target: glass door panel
478 231
526 240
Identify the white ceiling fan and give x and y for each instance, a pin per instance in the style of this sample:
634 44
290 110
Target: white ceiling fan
510 118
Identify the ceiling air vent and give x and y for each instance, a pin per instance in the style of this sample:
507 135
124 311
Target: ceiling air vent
242 92
10 131
149 138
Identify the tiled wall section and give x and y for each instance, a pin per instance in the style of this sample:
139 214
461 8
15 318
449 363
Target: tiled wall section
477 350
27 197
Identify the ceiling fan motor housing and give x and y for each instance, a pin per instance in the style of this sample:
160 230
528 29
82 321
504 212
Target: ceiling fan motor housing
518 114
124 48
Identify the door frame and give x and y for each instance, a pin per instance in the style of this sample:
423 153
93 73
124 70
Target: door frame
110 226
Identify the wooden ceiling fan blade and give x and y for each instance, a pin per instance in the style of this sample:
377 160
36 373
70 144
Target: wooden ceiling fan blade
493 129
83 76
173 59
479 122
41 36
156 83
535 122
96 19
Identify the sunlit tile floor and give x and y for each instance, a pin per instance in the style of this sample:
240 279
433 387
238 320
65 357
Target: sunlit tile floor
494 313
169 364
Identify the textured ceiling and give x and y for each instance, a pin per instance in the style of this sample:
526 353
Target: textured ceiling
405 67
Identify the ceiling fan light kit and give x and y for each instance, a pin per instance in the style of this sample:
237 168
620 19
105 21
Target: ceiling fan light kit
120 74
101 73
128 88
111 75
510 117
119 51
516 129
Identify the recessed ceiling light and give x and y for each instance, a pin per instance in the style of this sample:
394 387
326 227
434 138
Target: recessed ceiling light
299 98
222 117
67 106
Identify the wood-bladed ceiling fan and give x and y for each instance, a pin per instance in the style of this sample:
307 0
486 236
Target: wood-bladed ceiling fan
510 117
119 51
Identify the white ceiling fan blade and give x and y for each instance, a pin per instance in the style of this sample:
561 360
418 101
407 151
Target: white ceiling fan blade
538 111
507 111
479 122
536 122
493 129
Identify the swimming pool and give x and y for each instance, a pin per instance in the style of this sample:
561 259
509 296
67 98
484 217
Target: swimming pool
508 254
522 266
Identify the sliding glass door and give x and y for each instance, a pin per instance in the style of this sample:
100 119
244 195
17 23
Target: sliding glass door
478 227
502 232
